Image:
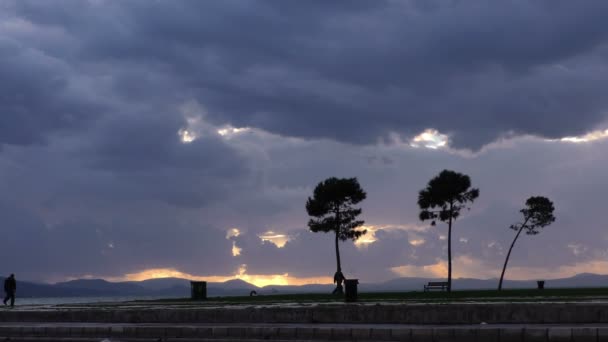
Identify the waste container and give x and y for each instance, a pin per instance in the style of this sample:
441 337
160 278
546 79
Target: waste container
541 284
198 290
351 290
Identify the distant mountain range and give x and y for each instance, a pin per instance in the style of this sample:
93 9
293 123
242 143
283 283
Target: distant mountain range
175 287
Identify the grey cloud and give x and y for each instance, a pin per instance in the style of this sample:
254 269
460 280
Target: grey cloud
36 96
148 160
313 255
80 246
357 71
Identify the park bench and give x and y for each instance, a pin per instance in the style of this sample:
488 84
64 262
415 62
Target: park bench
436 285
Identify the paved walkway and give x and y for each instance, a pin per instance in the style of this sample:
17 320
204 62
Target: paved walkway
41 331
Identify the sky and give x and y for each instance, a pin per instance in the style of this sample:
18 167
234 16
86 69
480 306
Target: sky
143 139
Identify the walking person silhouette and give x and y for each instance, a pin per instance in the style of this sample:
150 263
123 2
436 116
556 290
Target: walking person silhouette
10 287
338 279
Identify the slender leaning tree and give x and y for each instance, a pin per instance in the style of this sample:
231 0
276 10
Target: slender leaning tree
443 198
332 210
538 214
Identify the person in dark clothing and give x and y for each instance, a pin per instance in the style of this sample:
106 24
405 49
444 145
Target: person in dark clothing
10 286
338 279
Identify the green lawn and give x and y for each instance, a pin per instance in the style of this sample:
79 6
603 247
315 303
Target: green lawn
524 295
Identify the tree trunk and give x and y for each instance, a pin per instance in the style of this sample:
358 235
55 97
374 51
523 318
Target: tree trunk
504 268
338 254
450 251
338 227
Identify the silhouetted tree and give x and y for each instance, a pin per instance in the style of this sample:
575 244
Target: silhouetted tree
538 214
443 198
333 211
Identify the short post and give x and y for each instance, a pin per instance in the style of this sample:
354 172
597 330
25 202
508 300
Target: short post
198 290
351 290
540 284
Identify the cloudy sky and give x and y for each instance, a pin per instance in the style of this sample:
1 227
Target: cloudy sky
152 138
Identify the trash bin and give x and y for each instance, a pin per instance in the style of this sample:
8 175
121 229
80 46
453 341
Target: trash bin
541 284
351 290
198 290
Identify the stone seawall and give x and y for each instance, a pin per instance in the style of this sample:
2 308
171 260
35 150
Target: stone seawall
474 313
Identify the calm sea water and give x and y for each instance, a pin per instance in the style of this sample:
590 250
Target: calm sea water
80 300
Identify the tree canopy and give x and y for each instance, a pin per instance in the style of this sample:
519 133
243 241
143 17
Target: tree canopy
445 195
332 208
537 214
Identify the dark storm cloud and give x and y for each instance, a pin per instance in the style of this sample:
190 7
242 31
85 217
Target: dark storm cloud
353 71
37 96
148 160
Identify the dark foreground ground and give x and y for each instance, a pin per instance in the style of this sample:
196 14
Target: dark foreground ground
520 295
484 316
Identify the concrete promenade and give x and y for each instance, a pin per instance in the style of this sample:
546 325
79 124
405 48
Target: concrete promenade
484 322
334 313
300 332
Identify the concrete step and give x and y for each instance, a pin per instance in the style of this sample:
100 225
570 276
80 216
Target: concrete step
78 332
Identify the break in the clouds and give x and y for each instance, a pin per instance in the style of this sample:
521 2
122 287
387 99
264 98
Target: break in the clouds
137 134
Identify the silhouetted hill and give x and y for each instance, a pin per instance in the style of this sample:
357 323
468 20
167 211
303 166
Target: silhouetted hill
30 289
176 287
234 284
162 283
412 284
581 280
103 287
395 285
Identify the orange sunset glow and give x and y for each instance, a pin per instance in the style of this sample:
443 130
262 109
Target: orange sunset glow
259 280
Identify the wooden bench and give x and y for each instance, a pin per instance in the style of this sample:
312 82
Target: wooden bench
436 285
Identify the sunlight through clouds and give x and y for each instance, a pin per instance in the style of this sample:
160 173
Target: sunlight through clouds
229 131
260 280
186 136
236 251
279 240
196 124
437 270
464 267
194 113
430 138
416 242
596 135
371 237
368 238
469 267
233 232
230 234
